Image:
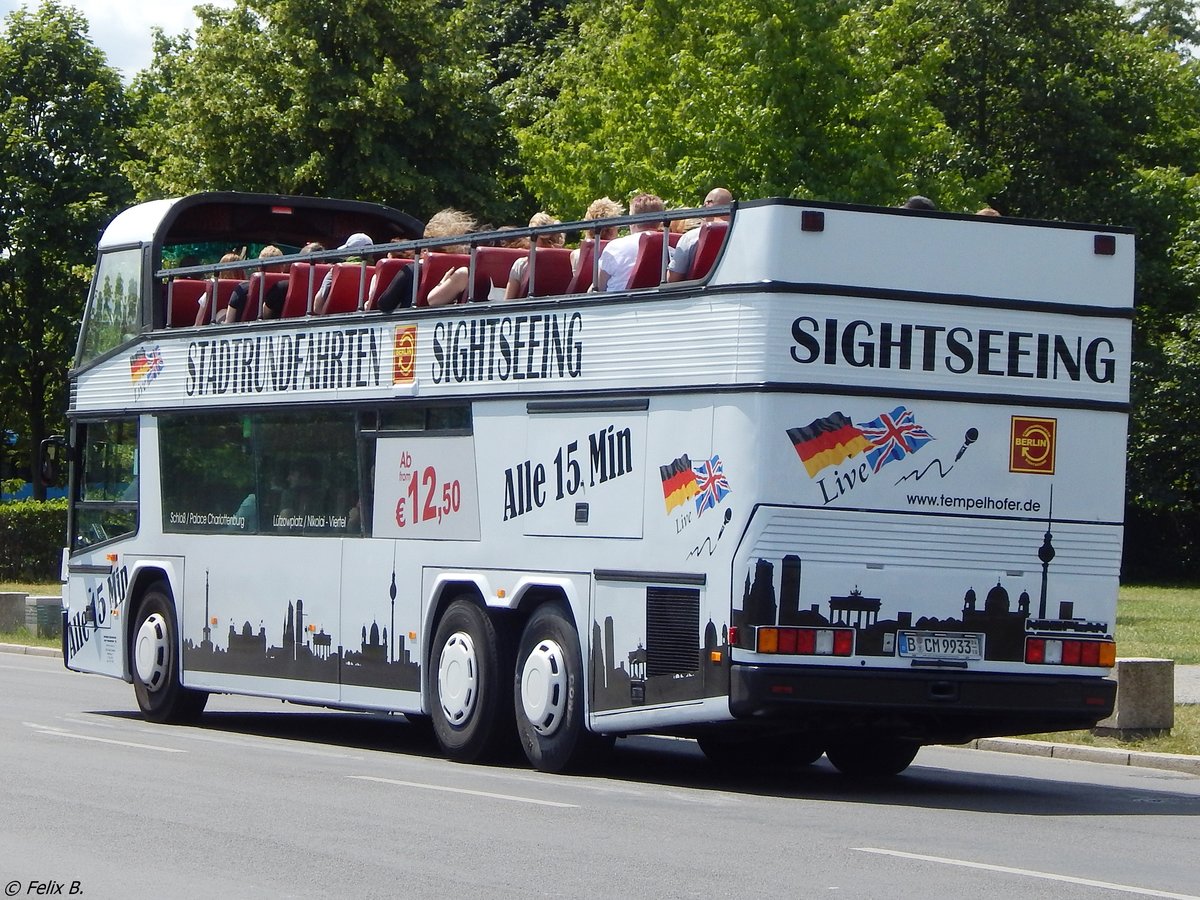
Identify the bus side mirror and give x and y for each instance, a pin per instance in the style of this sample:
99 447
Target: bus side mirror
52 455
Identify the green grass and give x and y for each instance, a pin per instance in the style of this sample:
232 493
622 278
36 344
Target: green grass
1184 737
1160 622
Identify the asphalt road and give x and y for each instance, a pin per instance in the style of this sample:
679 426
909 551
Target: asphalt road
270 800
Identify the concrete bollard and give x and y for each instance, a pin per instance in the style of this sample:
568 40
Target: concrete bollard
12 610
1145 699
43 616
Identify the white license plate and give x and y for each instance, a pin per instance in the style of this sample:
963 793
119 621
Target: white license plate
940 645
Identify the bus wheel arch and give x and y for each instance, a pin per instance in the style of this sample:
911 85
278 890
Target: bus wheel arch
548 692
154 659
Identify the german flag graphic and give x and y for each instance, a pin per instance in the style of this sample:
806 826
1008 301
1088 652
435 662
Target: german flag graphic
679 482
827 442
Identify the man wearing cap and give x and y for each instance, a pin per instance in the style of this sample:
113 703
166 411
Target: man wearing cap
356 241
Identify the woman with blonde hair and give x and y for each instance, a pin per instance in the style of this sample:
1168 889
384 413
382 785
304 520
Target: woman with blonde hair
550 239
445 223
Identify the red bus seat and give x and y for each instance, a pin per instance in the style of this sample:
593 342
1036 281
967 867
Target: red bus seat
385 271
255 294
492 267
185 296
552 271
648 267
350 283
708 246
433 267
225 288
581 281
304 280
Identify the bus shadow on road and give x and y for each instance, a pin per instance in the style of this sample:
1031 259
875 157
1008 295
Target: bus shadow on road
679 763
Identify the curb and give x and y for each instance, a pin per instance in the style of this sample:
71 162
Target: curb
1172 762
30 651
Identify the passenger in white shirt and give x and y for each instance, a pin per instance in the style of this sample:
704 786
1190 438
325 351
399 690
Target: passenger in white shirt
616 262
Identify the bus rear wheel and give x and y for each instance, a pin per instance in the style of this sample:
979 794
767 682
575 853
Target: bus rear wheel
469 684
548 694
154 662
866 756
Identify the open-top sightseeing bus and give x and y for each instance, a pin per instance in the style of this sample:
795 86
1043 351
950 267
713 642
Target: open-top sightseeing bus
854 485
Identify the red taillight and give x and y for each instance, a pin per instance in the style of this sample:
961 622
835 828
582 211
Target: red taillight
733 635
1035 650
795 641
843 643
1057 652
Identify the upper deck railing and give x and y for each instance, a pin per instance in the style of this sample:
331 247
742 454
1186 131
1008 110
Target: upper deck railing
361 275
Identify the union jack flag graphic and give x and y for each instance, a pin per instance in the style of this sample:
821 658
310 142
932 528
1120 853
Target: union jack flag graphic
713 485
893 436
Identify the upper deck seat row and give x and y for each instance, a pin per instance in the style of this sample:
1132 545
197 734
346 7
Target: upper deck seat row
355 286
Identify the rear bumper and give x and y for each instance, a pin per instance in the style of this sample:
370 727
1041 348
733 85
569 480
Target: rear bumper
924 705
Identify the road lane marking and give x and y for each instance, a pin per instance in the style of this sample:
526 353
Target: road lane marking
61 732
267 743
1031 873
453 790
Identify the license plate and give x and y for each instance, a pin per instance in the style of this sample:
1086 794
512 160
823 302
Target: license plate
940 645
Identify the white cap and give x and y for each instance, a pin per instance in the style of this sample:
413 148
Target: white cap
356 240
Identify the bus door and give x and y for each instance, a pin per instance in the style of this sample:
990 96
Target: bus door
104 514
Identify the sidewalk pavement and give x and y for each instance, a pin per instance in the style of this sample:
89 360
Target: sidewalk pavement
1187 691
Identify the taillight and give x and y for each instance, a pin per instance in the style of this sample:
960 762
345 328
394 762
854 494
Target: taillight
1055 652
796 641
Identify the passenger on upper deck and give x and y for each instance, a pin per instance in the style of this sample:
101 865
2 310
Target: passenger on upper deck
443 224
616 262
202 311
919 202
356 241
237 300
272 303
601 208
685 250
553 239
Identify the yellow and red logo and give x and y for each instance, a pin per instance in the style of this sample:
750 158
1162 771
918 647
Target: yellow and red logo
1032 446
404 355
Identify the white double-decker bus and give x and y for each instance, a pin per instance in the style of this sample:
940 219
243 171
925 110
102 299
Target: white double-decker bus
853 486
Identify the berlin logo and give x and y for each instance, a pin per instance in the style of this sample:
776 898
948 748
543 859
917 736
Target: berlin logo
1032 446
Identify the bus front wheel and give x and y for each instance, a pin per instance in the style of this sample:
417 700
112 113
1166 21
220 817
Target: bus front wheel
549 695
154 658
469 684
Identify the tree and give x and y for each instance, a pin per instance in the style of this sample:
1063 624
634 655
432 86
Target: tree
371 99
62 112
763 96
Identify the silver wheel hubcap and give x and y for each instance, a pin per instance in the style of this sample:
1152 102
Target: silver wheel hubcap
458 678
152 652
544 687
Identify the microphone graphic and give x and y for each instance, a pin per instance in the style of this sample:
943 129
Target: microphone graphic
969 438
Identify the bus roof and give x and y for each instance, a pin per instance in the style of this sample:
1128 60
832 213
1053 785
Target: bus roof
269 218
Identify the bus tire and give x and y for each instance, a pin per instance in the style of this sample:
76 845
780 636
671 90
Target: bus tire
154 662
776 751
548 695
469 681
866 756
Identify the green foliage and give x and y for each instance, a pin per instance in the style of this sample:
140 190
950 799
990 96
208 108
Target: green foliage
371 99
62 119
32 535
764 97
